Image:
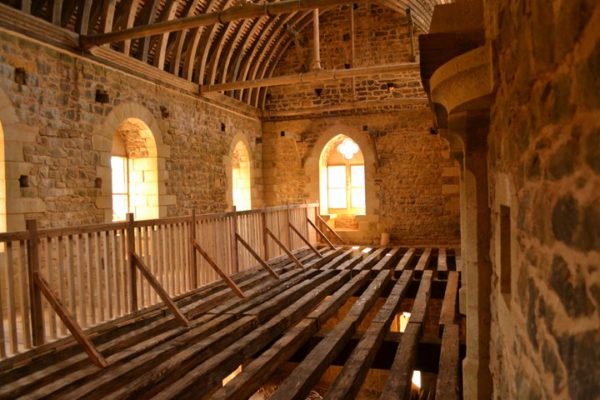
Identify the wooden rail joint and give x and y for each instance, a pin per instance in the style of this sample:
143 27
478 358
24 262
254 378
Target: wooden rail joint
139 263
218 270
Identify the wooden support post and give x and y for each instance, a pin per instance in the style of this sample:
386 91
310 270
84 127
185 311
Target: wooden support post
256 256
285 249
236 257
133 305
193 255
218 270
331 230
160 291
321 234
69 321
264 235
316 41
293 228
289 229
411 32
35 297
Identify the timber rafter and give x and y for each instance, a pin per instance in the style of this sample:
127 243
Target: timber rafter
207 42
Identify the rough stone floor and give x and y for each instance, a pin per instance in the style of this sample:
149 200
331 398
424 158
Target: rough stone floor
341 311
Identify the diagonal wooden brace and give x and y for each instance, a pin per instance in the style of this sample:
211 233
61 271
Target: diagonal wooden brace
218 270
297 232
256 256
321 234
69 321
160 290
331 230
285 249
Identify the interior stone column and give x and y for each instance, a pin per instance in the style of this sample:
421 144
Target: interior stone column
477 382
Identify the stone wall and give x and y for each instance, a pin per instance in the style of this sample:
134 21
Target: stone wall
59 137
412 185
544 163
375 25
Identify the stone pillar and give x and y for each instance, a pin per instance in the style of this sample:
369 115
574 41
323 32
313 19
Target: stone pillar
477 271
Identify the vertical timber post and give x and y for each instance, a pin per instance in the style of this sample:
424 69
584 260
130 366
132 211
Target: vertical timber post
265 237
35 295
193 255
132 268
234 243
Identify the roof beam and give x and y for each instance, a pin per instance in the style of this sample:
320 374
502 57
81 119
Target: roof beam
310 77
249 10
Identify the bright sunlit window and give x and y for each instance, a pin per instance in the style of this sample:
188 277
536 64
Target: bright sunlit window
346 186
336 186
120 187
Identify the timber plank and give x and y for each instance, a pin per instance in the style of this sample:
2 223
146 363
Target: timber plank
447 387
388 258
442 261
338 260
405 259
256 374
423 260
419 307
373 257
354 372
159 360
209 374
398 384
330 306
308 372
448 313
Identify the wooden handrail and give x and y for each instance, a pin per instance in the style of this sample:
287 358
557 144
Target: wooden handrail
310 246
320 233
69 321
218 270
160 290
331 229
284 248
256 256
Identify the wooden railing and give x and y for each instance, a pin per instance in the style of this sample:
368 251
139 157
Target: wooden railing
51 279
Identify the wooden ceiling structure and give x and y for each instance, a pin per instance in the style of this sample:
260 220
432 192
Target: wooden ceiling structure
243 49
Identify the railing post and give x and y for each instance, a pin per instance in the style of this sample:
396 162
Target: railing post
236 261
289 229
193 256
265 237
131 258
35 295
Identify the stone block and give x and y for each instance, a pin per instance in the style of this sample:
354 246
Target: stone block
13 151
25 205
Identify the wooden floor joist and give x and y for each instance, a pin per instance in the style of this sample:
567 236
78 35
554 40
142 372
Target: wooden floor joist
305 320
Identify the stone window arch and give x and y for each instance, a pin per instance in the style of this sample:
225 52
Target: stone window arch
342 177
241 187
134 172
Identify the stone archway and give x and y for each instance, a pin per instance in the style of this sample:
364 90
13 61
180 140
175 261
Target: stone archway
311 169
239 157
103 143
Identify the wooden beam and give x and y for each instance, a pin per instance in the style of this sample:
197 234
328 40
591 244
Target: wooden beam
423 260
316 40
319 218
310 246
35 298
69 321
320 233
218 270
350 379
311 77
248 10
161 291
447 386
284 248
256 256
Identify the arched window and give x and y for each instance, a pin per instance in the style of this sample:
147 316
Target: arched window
134 171
342 177
240 177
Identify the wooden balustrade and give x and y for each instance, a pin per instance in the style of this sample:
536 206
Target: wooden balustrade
97 273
